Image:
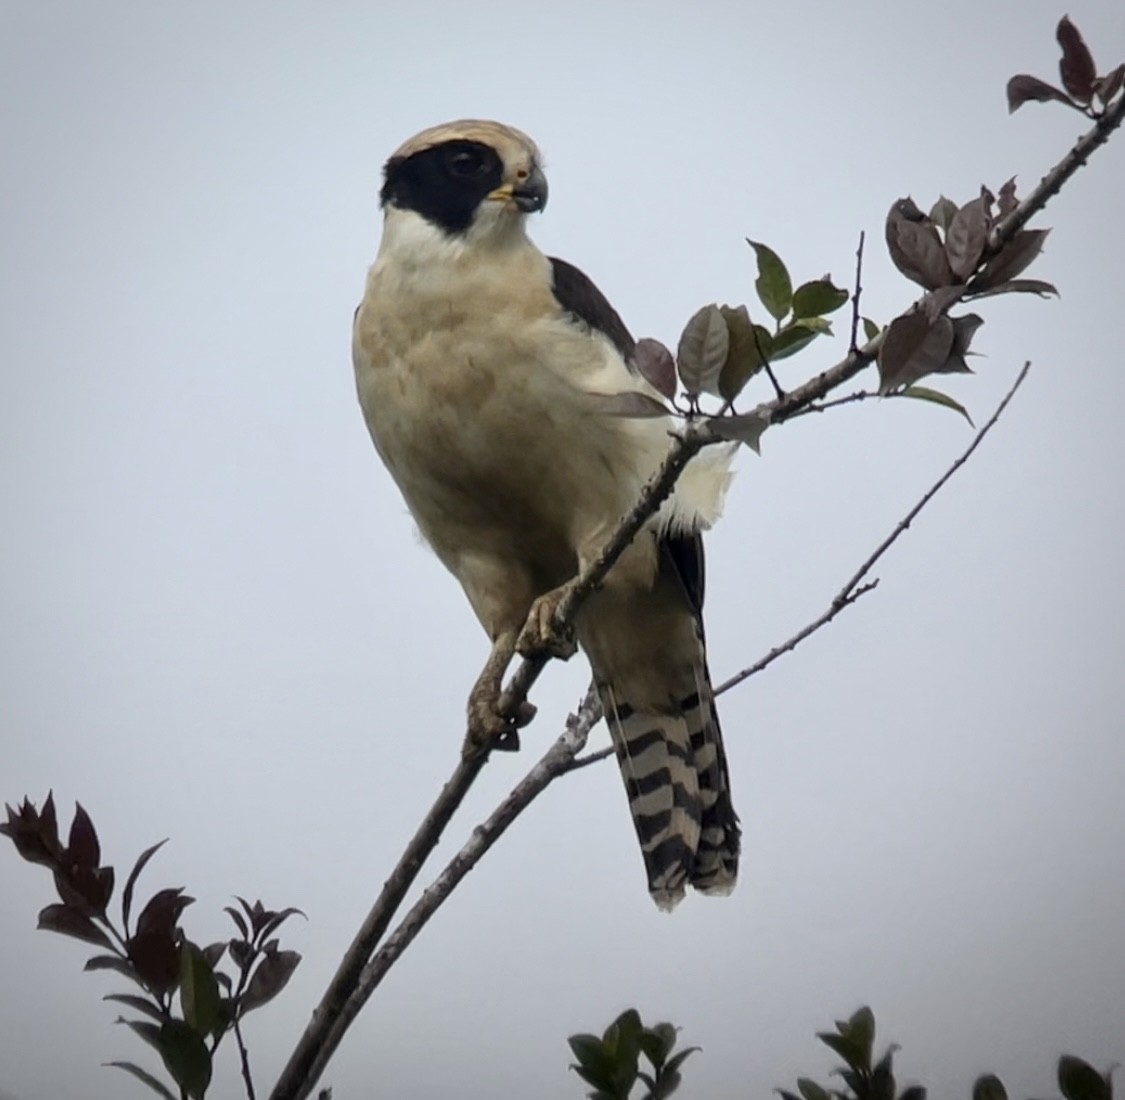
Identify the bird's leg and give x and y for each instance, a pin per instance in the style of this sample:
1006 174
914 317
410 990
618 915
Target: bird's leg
488 726
541 635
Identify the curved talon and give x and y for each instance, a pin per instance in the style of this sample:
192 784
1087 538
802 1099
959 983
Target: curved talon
491 729
540 635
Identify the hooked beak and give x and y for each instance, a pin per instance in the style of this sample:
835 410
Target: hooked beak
529 195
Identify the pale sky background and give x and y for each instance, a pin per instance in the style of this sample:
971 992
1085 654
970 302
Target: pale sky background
217 624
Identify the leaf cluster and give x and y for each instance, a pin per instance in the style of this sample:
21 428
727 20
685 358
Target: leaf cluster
612 1063
1082 87
721 348
154 953
949 253
854 1042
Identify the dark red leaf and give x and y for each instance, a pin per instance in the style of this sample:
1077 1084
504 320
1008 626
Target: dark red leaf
213 952
964 329
1021 286
630 403
242 953
34 833
1007 198
69 921
940 301
269 979
278 919
163 910
156 956
966 237
1024 88
85 889
912 349
915 246
116 963
131 882
239 920
1013 258
941 213
656 365
1076 66
1106 87
82 847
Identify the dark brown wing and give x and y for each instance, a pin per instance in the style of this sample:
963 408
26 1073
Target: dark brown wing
582 300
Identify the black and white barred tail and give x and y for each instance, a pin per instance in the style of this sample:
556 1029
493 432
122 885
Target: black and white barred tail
676 780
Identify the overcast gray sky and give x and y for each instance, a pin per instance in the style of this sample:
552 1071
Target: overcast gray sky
217 624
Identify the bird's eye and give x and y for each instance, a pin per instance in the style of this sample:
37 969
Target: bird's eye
467 163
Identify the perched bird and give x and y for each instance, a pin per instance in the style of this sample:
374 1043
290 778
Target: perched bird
487 373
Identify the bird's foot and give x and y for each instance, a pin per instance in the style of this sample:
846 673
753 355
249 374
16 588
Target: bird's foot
541 634
490 728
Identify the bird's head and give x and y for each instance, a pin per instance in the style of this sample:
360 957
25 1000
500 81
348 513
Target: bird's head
470 176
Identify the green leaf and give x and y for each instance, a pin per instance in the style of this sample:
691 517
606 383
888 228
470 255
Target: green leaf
861 1030
1078 1080
744 356
870 329
668 1083
657 1043
199 991
601 1080
148 1031
622 1045
186 1057
143 1075
924 393
796 336
678 1059
702 351
587 1049
816 298
810 1090
989 1087
843 1045
774 287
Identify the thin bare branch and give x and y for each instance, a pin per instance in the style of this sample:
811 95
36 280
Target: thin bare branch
244 1060
824 406
839 602
297 1079
1053 181
852 341
551 765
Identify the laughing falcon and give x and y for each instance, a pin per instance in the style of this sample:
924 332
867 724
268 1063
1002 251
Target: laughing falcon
485 372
